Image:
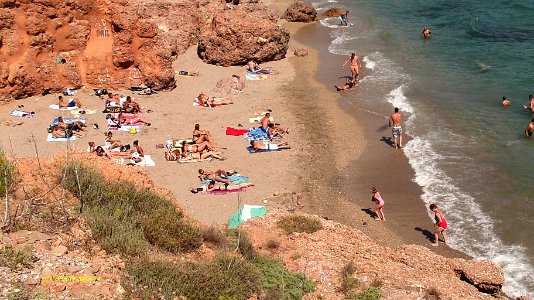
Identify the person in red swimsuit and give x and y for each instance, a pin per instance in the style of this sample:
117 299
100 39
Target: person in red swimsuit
441 224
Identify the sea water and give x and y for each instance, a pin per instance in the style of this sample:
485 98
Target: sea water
469 153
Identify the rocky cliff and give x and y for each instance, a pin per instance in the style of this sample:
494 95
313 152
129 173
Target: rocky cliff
47 45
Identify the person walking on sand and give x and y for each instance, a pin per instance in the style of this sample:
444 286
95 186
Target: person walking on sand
395 122
440 226
529 131
377 198
355 65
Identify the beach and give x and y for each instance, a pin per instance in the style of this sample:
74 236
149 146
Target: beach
327 144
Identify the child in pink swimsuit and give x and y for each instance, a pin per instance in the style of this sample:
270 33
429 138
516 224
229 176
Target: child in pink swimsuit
379 205
441 224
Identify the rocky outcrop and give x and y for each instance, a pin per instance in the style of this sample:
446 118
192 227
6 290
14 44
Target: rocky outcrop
333 12
301 52
408 272
52 44
300 11
234 37
229 86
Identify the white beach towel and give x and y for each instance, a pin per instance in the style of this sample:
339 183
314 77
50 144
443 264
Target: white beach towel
56 107
50 138
21 113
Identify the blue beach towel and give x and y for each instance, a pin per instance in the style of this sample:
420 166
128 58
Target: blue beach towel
256 135
70 120
236 179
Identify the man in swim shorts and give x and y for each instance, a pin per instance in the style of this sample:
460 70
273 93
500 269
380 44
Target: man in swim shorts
395 122
261 145
530 105
529 131
265 122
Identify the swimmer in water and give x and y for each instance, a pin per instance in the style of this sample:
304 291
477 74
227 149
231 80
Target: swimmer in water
426 32
530 105
505 101
530 129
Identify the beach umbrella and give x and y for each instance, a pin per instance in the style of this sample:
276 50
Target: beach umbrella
244 213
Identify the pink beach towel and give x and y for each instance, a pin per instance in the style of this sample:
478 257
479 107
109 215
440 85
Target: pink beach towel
222 192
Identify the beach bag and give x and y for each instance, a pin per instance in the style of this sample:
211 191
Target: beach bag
132 130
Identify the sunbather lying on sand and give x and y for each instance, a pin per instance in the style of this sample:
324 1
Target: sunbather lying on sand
113 100
192 156
196 147
260 145
215 175
187 73
205 101
254 67
127 122
72 103
76 125
214 186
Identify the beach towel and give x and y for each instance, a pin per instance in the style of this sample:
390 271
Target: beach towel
21 113
113 126
236 179
56 107
222 192
255 76
183 161
256 135
113 109
258 119
185 73
251 150
52 139
82 112
70 120
235 131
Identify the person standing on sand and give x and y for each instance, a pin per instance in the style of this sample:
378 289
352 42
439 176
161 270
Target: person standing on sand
355 65
395 122
441 224
529 131
379 205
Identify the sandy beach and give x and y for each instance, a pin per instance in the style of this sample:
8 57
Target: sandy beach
317 172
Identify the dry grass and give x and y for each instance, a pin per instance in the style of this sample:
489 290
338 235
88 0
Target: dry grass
298 223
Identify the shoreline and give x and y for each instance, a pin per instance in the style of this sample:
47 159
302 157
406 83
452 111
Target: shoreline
359 165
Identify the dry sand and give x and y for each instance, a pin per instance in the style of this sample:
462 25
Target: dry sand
312 172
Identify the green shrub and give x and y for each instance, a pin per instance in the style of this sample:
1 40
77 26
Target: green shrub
348 282
215 237
225 277
7 174
14 258
125 219
372 293
297 223
280 283
246 248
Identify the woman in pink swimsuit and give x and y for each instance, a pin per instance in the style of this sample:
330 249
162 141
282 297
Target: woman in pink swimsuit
379 205
441 224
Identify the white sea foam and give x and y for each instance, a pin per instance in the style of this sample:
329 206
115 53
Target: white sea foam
330 22
397 98
470 229
369 64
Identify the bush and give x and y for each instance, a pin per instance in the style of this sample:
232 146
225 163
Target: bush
215 237
246 248
372 293
225 277
298 223
7 174
280 283
14 258
272 244
125 219
348 282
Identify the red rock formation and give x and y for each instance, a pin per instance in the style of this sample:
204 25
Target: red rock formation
301 52
50 44
246 32
333 12
300 11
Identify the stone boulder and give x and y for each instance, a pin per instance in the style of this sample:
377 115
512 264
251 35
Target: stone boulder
229 86
234 37
300 11
333 12
486 276
300 52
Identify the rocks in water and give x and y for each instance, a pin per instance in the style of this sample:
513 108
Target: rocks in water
237 36
300 11
300 52
333 12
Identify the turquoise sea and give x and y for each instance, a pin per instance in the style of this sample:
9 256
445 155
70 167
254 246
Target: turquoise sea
469 153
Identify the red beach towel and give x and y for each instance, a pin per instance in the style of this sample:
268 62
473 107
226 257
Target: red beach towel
235 131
